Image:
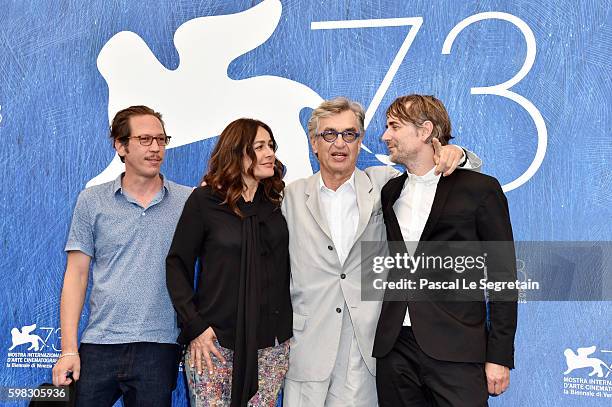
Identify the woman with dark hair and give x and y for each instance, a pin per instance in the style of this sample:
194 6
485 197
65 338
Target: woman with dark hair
237 318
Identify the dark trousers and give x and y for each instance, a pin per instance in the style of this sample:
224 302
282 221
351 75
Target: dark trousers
143 373
408 377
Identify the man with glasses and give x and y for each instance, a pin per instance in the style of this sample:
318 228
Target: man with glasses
329 214
124 229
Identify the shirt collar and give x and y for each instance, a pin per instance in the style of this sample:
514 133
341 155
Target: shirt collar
429 178
349 182
118 188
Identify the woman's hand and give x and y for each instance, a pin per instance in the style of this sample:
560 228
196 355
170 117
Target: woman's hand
201 348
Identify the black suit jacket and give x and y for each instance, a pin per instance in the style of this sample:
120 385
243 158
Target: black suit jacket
468 206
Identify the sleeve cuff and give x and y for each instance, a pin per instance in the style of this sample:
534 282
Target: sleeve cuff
192 330
504 358
72 247
464 158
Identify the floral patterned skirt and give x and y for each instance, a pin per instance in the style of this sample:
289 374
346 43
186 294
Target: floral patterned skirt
215 390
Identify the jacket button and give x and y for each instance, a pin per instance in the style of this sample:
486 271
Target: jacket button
338 310
330 247
343 276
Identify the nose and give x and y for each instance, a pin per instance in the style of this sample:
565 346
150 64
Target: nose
385 136
269 152
339 142
154 145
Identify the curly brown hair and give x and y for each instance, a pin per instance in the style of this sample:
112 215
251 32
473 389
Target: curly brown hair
225 167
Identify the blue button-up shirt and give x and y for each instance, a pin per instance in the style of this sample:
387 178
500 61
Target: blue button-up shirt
128 245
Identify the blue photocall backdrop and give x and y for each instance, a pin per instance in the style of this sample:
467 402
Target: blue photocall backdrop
527 85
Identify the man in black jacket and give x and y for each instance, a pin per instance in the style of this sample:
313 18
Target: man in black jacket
431 352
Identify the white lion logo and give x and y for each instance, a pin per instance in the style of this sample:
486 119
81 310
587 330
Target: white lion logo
24 336
198 99
581 360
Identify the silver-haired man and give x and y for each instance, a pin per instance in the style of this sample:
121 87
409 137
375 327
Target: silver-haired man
329 214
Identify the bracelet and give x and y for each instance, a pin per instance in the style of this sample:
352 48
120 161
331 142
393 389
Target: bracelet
68 354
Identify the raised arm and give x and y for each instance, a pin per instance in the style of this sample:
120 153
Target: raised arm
450 157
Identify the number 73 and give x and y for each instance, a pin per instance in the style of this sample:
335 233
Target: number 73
502 89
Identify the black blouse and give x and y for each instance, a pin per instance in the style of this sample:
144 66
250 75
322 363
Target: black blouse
242 287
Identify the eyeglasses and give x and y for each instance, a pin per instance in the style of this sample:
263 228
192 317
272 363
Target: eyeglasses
148 140
332 135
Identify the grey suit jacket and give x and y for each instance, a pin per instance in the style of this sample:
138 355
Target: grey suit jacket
317 289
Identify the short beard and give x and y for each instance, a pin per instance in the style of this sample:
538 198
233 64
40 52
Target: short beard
404 159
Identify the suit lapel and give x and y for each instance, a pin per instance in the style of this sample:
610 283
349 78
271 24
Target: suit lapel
363 189
445 185
314 204
390 193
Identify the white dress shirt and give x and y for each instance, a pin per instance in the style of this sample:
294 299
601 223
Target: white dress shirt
342 214
412 208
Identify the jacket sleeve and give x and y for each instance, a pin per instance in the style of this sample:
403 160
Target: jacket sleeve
495 231
380 174
180 268
473 162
